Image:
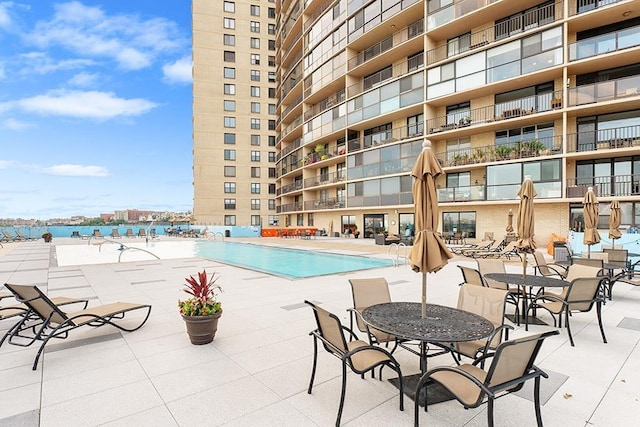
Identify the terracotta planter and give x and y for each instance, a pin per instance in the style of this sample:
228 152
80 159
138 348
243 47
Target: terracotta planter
202 329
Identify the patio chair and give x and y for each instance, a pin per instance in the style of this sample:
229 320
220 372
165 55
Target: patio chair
548 269
142 232
491 265
483 245
367 292
493 246
54 323
129 233
510 250
115 234
97 234
20 235
512 366
356 355
8 237
580 296
471 276
490 304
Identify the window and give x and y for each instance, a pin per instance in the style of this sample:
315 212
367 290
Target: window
272 77
272 141
255 139
229 138
272 125
272 29
271 157
229 105
255 43
272 45
255 10
458 113
229 23
229 89
254 27
272 108
272 189
415 61
272 12
255 220
255 75
377 77
229 73
229 154
271 204
229 40
464 222
255 59
458 44
272 92
415 125
255 188
229 203
229 56
272 172
229 171
272 61
255 172
255 156
229 220
255 123
229 6
229 122
229 187
255 91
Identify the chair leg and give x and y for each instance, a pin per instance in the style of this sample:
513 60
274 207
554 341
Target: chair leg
315 360
490 412
342 393
536 400
568 326
599 312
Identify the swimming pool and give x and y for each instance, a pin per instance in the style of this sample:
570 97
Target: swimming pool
285 262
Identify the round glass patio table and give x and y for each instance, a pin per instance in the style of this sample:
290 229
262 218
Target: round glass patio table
442 324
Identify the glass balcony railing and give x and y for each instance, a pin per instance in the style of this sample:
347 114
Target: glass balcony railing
605 43
321 204
604 91
461 194
385 137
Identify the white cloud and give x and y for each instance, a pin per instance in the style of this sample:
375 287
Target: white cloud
132 42
178 71
83 79
76 170
82 104
42 63
13 124
5 164
5 19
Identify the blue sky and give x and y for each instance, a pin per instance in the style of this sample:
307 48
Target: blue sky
95 107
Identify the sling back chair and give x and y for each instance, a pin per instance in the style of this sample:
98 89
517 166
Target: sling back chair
471 276
584 291
512 365
357 355
548 269
52 322
494 265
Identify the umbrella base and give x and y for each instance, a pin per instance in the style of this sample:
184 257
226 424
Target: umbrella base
436 392
530 320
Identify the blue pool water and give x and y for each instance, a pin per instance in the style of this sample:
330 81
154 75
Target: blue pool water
289 263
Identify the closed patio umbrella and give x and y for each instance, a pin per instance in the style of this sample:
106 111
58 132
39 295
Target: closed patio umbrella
509 228
428 253
526 221
331 228
614 222
591 215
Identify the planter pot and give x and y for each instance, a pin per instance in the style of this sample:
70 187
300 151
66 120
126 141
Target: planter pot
202 329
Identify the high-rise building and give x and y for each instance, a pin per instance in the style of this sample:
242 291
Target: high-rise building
502 89
234 112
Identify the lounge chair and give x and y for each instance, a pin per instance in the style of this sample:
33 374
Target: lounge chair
512 365
97 234
129 233
54 323
22 237
508 251
356 355
142 232
483 245
493 246
75 234
8 237
115 234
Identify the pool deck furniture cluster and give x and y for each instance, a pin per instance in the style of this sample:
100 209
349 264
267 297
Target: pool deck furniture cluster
101 376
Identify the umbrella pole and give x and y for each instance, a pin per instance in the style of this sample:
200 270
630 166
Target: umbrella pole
424 295
588 251
524 264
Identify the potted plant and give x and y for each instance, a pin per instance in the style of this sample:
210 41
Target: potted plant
202 310
47 237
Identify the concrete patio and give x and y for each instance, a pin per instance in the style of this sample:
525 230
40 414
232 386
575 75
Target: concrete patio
256 371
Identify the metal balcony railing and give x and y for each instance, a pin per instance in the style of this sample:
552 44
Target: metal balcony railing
605 186
321 204
581 6
410 65
385 137
604 139
325 179
325 104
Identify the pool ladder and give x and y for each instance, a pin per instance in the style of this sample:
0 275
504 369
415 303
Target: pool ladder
123 247
394 252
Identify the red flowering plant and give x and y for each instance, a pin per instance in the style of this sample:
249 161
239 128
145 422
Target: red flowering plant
203 300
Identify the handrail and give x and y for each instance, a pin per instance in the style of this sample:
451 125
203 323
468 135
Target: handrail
122 248
396 258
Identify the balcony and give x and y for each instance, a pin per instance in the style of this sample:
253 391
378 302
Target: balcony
504 111
605 43
322 204
318 155
532 19
605 186
325 104
461 194
295 186
386 75
604 91
385 137
325 179
289 207
493 153
604 139
581 6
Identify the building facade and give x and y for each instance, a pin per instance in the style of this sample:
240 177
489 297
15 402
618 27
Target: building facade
502 89
234 112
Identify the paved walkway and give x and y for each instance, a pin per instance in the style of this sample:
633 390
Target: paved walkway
256 372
